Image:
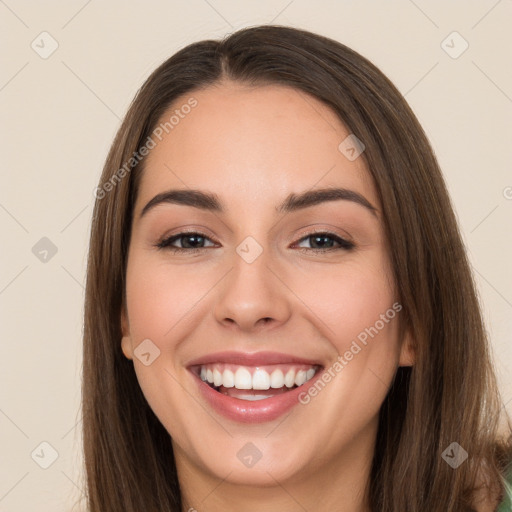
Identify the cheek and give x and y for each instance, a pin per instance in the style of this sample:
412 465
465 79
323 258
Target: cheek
347 298
360 318
160 296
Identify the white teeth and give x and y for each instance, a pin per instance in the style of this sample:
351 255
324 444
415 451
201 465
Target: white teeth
243 379
217 377
289 379
277 379
253 397
228 379
260 379
300 378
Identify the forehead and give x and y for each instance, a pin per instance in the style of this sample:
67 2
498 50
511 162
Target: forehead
252 146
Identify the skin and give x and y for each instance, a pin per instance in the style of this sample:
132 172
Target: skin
252 146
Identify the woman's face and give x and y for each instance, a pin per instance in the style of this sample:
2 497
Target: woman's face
263 291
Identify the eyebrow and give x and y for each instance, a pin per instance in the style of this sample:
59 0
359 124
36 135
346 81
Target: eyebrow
210 202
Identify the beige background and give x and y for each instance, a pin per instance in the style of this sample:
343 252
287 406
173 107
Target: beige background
59 116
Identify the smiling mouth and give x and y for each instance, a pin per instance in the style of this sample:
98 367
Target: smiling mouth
255 382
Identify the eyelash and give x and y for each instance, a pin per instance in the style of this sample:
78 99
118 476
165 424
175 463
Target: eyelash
166 242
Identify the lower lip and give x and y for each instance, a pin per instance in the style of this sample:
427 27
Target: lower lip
253 411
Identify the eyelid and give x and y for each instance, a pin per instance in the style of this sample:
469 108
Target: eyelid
164 241
325 231
344 242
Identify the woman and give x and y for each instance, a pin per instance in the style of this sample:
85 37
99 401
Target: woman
280 314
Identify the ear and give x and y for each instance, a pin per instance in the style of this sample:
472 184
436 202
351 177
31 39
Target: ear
126 340
407 353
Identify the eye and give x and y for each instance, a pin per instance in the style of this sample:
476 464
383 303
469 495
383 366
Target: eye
190 242
194 241
323 242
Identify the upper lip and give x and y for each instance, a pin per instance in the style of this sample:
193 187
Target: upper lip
252 359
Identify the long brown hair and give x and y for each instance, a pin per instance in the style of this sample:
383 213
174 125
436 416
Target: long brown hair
449 395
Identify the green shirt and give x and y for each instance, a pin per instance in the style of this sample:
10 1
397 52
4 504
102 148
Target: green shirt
506 504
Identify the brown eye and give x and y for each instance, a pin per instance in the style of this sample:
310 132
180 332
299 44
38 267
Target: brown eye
189 242
326 242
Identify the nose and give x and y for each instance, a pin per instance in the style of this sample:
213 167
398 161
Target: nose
253 296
